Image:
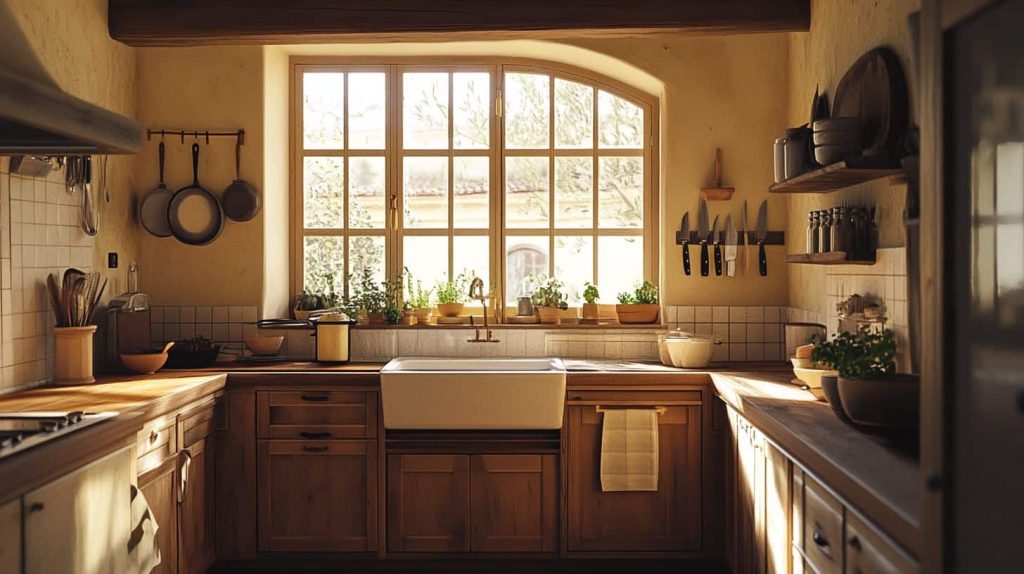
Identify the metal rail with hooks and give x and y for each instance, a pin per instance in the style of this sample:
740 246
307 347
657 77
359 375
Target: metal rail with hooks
196 134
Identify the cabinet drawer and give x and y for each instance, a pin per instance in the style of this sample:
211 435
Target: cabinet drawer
316 415
868 551
822 528
197 423
634 398
155 443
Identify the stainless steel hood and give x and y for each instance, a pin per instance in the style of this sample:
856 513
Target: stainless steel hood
38 118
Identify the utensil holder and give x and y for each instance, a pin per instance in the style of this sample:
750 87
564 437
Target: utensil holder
73 355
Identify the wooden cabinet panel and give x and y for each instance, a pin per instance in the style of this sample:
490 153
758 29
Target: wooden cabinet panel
777 511
10 535
666 520
428 503
749 492
823 528
156 442
514 503
796 520
870 552
159 486
317 496
316 415
80 522
197 509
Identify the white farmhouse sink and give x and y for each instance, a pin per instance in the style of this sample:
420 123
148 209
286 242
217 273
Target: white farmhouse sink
455 394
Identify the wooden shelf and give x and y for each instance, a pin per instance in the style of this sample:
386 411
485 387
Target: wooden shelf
834 177
831 258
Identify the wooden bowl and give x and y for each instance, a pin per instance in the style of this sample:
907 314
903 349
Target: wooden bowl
637 314
143 363
264 345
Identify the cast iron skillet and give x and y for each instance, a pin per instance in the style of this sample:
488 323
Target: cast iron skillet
194 214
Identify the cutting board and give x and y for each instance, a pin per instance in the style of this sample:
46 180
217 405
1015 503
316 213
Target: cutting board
875 90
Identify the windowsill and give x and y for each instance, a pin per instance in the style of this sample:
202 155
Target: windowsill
535 326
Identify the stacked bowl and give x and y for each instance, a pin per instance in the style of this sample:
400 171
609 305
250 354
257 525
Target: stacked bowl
837 138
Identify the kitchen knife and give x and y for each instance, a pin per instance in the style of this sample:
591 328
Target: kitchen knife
762 235
684 229
741 253
702 231
730 247
718 247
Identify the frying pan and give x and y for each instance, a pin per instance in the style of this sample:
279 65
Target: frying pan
194 214
153 209
240 199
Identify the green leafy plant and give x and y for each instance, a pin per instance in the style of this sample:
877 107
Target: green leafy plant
455 290
309 300
590 293
416 297
392 314
367 293
547 292
644 294
861 355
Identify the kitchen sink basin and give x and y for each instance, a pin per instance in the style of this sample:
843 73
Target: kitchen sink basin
467 394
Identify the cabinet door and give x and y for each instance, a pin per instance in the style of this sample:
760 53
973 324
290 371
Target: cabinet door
81 522
668 519
428 503
159 486
317 496
10 534
777 511
748 496
514 502
868 551
197 510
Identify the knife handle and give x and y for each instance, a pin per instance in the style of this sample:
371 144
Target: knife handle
704 258
718 258
686 257
762 258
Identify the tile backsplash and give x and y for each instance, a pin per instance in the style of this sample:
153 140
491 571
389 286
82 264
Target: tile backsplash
227 325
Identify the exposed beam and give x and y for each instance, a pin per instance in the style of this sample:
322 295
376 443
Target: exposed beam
196 22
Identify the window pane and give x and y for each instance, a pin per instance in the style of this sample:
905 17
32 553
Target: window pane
324 263
472 113
425 187
366 96
323 192
425 110
574 115
621 123
574 264
366 192
323 110
524 256
620 264
620 191
366 252
472 256
472 189
526 192
527 110
426 258
574 192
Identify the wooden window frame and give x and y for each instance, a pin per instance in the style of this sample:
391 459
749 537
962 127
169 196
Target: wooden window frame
394 232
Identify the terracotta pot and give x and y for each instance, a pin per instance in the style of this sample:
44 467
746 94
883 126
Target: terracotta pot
637 313
590 311
73 355
409 317
301 315
450 309
422 315
549 315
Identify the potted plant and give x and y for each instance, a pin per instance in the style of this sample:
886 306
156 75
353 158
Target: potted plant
590 295
452 295
310 300
417 298
547 298
640 306
369 297
868 388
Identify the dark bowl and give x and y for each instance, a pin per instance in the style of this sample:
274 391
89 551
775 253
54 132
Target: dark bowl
884 404
830 387
186 359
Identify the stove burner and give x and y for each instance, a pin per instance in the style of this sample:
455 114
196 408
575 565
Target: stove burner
23 430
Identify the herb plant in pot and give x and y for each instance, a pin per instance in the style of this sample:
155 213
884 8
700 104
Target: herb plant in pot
310 300
868 389
548 299
452 295
590 309
369 297
640 306
417 298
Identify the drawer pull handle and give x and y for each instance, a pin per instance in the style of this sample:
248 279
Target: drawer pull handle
601 409
855 543
153 436
36 507
314 398
315 435
820 540
309 448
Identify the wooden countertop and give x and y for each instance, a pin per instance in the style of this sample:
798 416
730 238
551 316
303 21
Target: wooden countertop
880 477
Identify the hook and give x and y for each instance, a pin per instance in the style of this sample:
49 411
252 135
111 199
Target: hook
182 134
207 137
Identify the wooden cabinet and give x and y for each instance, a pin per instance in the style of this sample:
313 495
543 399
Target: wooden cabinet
316 414
196 513
869 552
10 536
473 503
160 487
80 522
666 520
317 495
823 528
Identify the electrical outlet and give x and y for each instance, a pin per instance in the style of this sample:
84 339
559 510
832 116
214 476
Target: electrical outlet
112 260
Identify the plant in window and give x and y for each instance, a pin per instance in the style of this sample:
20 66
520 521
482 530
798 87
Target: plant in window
417 298
590 295
368 296
640 306
312 300
548 297
452 295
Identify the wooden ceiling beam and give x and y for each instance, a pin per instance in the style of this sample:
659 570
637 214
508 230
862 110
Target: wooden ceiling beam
198 22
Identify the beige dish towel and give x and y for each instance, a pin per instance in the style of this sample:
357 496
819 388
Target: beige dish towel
629 450
143 552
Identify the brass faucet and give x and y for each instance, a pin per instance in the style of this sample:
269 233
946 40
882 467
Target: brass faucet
476 291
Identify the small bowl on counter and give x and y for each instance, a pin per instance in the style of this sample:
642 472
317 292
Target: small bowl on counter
688 351
146 362
264 345
811 377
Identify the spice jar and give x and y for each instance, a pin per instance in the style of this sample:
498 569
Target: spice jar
840 230
825 229
812 232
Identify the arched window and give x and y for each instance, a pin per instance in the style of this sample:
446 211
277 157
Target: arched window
500 170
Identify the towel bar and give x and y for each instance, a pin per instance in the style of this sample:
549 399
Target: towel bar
600 409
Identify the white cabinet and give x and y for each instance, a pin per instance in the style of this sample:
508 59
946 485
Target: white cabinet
10 536
81 522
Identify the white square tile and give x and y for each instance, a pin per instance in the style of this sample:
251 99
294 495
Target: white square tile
755 352
702 314
407 343
170 314
171 332
221 314
720 314
249 313
772 315
187 330
235 332
737 333
204 314
720 354
703 329
772 352
221 332
426 342
737 314
186 314
671 313
515 342
236 314
204 330
771 332
755 333
755 314
685 314
737 351
720 331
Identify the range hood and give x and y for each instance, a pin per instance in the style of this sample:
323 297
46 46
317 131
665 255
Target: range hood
38 118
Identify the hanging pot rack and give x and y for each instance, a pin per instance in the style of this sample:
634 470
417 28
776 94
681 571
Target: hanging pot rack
196 134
